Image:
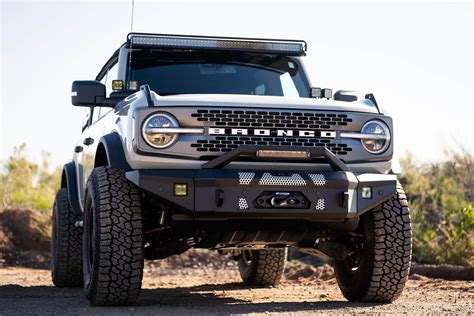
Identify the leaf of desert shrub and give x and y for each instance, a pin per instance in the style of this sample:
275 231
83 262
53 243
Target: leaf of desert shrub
429 234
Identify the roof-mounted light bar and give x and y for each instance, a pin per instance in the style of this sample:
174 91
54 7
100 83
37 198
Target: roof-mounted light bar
280 47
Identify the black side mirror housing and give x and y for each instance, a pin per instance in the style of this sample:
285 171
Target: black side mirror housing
345 95
87 93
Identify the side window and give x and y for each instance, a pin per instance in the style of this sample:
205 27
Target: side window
288 86
112 74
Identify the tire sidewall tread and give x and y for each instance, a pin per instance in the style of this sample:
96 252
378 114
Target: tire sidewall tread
113 207
386 260
66 245
265 268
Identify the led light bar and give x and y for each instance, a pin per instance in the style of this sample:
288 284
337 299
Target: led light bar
282 47
267 153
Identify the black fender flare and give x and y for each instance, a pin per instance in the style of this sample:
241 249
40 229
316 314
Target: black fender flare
113 146
69 181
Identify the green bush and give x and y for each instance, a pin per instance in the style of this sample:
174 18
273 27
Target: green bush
24 184
441 202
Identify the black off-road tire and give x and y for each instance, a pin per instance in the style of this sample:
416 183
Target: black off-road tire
262 267
380 269
66 245
113 239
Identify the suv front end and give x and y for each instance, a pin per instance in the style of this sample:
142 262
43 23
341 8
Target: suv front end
222 143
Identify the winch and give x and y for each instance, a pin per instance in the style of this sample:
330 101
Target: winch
282 200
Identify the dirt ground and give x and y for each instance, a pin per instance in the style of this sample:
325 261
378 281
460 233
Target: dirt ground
214 287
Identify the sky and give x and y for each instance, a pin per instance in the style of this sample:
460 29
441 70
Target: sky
415 57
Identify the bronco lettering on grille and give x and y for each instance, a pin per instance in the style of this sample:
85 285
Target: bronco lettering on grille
271 132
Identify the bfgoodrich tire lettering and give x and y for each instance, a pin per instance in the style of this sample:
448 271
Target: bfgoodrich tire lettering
262 267
66 246
113 242
380 271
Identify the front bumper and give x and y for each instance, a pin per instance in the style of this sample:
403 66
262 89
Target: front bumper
216 194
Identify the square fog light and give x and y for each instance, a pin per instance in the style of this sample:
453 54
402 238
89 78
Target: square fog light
180 189
366 192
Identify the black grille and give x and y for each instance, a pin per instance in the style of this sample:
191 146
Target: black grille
227 143
272 119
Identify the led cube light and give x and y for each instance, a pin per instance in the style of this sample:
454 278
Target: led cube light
366 192
117 85
316 93
132 85
319 93
180 189
327 93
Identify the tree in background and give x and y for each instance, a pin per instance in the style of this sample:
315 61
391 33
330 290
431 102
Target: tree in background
26 184
441 199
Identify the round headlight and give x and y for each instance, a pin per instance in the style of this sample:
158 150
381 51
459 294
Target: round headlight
377 137
154 130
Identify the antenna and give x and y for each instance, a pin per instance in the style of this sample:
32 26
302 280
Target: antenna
131 48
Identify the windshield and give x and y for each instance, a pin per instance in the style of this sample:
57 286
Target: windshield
185 72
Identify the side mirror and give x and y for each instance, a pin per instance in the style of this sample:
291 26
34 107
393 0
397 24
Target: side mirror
346 95
87 93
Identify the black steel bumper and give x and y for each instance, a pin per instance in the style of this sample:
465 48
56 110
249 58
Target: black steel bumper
214 193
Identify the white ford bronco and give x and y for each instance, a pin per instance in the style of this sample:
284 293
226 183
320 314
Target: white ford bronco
223 144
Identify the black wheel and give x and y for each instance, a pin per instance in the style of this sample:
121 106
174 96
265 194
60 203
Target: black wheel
66 246
113 242
262 267
378 270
